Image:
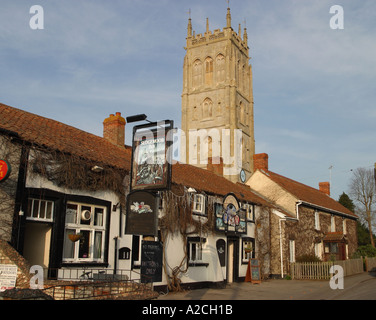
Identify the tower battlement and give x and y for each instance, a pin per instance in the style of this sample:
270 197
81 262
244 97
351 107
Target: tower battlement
227 33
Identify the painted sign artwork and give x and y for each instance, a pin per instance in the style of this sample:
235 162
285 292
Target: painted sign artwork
5 170
141 217
140 207
150 162
150 165
229 217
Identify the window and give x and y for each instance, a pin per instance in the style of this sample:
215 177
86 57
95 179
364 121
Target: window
248 251
221 63
332 224
87 223
242 112
249 211
318 250
344 226
207 108
137 248
197 71
292 250
199 204
317 220
195 250
208 71
40 210
331 247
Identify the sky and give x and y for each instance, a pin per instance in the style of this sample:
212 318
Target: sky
314 86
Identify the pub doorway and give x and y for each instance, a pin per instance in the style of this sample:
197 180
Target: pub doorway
232 259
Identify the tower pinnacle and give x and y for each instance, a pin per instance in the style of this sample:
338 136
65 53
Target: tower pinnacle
189 33
228 18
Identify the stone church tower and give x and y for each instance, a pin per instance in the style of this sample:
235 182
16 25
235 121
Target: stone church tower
217 94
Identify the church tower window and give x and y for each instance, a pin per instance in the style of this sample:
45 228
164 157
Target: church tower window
220 64
208 71
207 108
197 73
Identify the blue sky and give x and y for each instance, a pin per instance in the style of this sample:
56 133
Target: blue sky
314 87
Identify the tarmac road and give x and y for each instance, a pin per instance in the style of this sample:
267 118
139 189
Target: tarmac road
357 287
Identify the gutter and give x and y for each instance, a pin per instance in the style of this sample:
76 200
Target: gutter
297 208
327 210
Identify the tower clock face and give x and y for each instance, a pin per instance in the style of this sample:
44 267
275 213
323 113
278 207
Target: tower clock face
242 175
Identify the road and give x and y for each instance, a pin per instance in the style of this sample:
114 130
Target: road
356 287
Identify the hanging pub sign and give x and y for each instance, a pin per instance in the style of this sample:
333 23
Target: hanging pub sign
229 217
151 156
142 215
5 170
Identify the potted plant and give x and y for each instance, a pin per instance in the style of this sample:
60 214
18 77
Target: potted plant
74 237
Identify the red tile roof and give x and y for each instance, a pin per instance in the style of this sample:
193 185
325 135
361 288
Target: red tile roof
58 136
308 194
205 180
334 236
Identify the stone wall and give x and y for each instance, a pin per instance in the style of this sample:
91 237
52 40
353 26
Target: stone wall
9 256
10 152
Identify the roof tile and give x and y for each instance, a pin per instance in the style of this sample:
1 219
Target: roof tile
308 194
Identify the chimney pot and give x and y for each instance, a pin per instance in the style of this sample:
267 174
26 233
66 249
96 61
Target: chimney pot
114 129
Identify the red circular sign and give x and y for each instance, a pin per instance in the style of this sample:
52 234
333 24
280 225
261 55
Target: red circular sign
5 170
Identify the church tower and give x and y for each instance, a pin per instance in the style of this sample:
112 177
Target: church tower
217 101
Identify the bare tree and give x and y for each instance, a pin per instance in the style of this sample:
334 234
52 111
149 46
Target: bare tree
362 190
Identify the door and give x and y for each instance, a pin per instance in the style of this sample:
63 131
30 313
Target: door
37 244
230 262
232 259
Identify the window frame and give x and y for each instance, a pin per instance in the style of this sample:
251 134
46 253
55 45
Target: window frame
245 255
202 211
250 211
31 206
90 229
332 223
317 220
199 244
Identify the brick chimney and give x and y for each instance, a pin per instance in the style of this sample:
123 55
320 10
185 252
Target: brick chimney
114 129
324 187
261 161
215 165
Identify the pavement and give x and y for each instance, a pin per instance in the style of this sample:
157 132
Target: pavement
356 287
